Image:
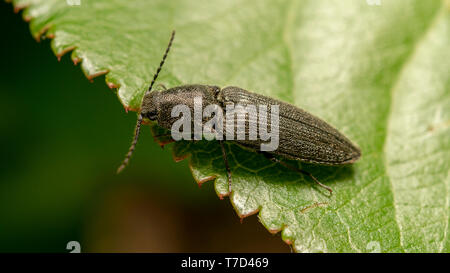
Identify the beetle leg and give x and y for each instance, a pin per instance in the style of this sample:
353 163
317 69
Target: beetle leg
164 88
296 169
224 153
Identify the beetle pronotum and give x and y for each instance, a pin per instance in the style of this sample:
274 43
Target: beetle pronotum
302 136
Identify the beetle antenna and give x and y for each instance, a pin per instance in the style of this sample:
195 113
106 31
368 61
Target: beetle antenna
162 62
133 144
140 118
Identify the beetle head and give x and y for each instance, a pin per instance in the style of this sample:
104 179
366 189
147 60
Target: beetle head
149 108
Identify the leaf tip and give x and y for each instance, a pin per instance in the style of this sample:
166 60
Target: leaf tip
92 76
40 34
76 60
19 7
180 158
111 85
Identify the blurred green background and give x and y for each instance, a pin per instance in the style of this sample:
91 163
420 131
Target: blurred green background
62 139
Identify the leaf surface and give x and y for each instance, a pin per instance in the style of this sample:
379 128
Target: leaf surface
380 74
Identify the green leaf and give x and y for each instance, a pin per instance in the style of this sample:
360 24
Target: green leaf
379 73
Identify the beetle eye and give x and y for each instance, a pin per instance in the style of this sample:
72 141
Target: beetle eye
152 115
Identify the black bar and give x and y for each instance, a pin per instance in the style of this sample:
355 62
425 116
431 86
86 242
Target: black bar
200 262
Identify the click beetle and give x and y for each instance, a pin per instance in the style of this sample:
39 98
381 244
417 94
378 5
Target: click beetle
301 136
